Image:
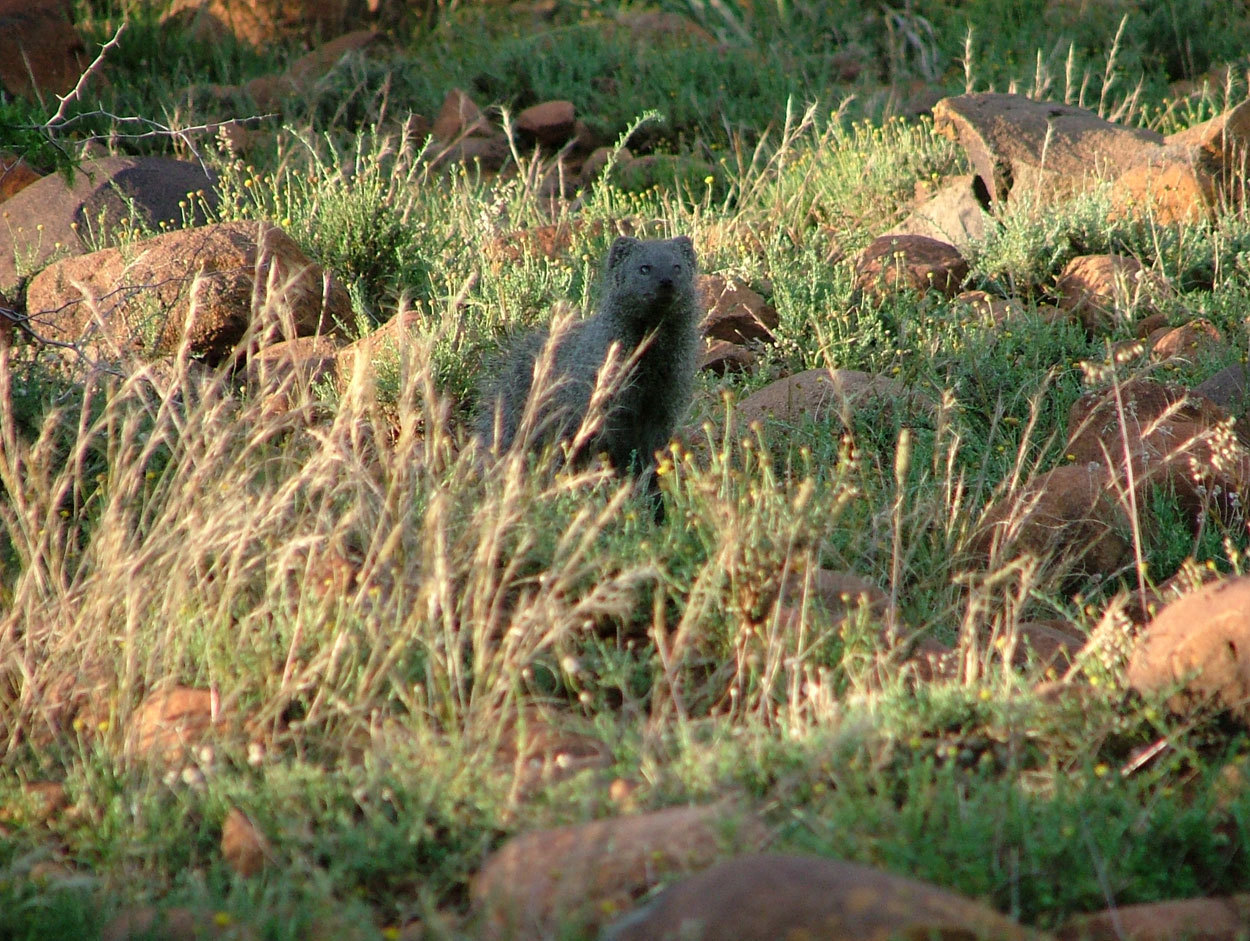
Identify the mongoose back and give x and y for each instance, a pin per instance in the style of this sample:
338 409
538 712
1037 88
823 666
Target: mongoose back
648 322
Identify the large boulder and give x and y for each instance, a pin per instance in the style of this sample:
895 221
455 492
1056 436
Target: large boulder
766 897
583 873
1199 647
1150 434
205 286
52 219
40 51
1018 145
1067 518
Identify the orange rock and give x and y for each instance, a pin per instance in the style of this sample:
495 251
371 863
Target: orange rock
15 175
170 723
1202 642
1102 289
1067 517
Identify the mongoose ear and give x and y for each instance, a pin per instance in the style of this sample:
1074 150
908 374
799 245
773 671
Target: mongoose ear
621 249
687 248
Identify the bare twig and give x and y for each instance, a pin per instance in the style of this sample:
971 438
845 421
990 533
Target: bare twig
76 91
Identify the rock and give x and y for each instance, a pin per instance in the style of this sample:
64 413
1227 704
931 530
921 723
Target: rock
1167 188
171 924
280 368
270 92
582 874
51 218
840 593
1018 146
551 123
1142 607
817 394
667 171
1189 341
243 846
198 284
540 752
1046 643
663 28
1201 643
15 175
1100 290
169 724
1210 919
1173 438
734 312
1067 518
1228 389
42 802
459 117
893 263
1218 147
387 342
954 214
262 23
990 309
720 357
40 51
491 153
766 897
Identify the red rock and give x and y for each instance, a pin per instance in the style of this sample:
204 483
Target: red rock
169 724
1189 341
550 123
818 394
52 218
193 285
1102 289
15 175
955 214
243 846
40 51
894 263
1202 643
459 116
734 312
584 873
1067 518
1210 919
1040 148
720 357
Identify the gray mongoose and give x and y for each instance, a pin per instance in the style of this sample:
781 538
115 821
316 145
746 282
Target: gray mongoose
649 309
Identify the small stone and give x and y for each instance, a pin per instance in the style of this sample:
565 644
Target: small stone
1189 341
720 358
170 724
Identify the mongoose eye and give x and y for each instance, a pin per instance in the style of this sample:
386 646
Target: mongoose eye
645 269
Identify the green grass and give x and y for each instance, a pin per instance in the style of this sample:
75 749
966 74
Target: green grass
149 540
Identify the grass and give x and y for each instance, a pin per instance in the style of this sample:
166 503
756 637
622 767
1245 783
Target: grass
197 537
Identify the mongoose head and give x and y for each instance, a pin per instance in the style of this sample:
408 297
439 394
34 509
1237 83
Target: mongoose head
647 281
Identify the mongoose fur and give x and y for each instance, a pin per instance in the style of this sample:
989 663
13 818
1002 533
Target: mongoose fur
649 312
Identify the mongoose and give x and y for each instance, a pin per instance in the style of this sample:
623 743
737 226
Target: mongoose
647 323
